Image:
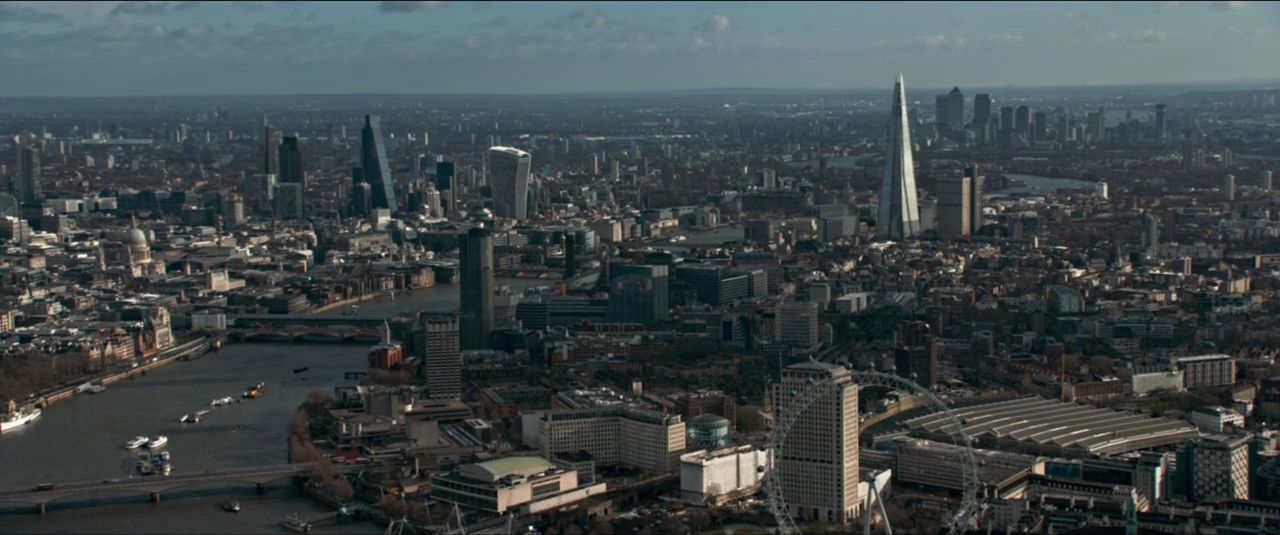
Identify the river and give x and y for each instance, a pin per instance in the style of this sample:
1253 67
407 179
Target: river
81 439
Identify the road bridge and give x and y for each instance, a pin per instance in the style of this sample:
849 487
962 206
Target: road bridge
307 320
43 495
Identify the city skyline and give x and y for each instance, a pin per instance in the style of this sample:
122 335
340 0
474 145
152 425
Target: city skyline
497 48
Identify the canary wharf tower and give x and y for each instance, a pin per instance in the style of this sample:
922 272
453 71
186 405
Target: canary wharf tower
899 213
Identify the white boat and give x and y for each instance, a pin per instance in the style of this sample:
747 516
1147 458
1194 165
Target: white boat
159 442
15 418
164 456
166 469
97 389
186 418
220 402
137 442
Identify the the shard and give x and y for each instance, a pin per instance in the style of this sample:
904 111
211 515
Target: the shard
899 212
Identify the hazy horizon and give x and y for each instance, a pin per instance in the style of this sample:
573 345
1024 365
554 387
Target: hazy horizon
162 48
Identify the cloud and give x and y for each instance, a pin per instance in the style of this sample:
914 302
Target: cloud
411 6
939 42
1230 6
717 23
593 15
26 15
497 22
1170 4
139 8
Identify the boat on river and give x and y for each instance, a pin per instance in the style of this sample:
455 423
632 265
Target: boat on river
159 442
137 442
15 418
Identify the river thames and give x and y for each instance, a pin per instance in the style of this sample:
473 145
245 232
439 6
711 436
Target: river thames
82 439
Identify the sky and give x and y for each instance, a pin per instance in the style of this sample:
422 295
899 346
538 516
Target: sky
438 47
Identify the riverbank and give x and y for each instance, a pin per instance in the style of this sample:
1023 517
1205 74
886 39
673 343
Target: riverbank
185 350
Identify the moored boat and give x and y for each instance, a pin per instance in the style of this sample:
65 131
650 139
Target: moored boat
16 418
159 442
137 442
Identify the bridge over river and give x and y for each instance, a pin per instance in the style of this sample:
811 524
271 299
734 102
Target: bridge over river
43 495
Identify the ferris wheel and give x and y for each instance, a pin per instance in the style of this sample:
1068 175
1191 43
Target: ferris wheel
797 401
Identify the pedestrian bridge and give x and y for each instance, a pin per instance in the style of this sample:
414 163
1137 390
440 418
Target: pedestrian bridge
43 495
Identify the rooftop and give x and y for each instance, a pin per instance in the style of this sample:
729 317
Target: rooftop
1038 422
497 469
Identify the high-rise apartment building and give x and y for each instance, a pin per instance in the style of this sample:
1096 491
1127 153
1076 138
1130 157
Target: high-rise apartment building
899 214
443 357
818 465
475 262
374 165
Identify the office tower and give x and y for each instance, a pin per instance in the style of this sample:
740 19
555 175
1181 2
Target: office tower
291 171
475 262
373 159
954 206
899 216
1151 236
916 357
1022 122
445 182
955 109
509 181
270 152
1160 125
818 468
768 179
1229 187
231 209
287 200
260 190
358 198
570 256
1264 180
1096 126
1040 126
940 114
30 183
981 109
638 293
1217 468
795 325
443 357
615 170
976 183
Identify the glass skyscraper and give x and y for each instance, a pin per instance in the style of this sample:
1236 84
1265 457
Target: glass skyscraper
899 216
509 180
475 264
373 159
